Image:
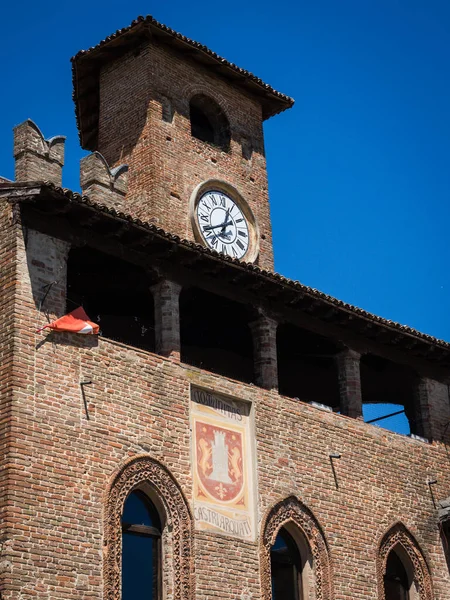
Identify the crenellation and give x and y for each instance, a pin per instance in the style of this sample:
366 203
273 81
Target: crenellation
37 158
103 184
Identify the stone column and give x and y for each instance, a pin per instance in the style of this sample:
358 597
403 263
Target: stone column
419 417
348 364
166 296
264 331
430 415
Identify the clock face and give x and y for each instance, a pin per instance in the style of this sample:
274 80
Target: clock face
222 224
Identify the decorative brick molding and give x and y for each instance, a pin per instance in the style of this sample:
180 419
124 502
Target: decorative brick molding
398 535
138 472
292 510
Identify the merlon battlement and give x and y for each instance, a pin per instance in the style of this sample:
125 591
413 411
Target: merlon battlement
40 159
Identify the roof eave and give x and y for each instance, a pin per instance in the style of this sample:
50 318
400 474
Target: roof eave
403 336
86 64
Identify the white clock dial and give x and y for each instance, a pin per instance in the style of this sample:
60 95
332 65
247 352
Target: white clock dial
222 224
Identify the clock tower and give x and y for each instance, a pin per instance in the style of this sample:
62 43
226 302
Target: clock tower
189 126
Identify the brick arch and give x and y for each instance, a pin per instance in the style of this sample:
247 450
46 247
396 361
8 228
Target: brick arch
194 89
291 510
146 471
215 115
398 535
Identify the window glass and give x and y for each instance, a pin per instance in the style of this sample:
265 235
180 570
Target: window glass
140 549
139 511
285 568
139 579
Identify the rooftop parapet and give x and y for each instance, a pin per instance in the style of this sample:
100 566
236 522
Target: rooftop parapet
102 184
37 158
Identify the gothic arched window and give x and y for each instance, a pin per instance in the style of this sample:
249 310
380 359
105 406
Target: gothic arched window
208 122
141 548
289 566
402 570
295 561
285 566
396 584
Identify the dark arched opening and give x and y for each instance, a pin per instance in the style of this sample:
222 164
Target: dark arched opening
141 549
286 568
396 580
208 122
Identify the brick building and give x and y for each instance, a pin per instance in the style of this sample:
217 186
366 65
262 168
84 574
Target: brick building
210 442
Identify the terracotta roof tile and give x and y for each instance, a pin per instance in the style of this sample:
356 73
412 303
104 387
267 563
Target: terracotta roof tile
85 66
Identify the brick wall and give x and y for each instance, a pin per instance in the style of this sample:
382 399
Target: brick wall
25 497
8 370
64 457
166 163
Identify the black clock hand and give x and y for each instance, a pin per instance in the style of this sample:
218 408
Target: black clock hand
225 221
209 227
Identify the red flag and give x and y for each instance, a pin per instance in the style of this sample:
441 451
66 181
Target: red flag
76 321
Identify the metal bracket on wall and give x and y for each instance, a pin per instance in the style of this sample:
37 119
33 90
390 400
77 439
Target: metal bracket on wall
82 384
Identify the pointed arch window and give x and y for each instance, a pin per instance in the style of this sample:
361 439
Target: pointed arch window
141 548
403 572
286 566
295 562
396 580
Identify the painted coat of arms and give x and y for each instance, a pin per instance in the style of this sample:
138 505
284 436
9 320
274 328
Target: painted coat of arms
219 462
221 465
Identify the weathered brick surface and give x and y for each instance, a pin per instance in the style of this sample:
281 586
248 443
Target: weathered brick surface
102 184
37 159
166 163
264 331
166 297
8 315
349 378
63 458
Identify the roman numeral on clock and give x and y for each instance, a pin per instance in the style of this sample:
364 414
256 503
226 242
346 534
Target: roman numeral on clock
240 244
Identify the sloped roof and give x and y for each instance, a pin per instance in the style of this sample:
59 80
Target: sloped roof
86 66
51 199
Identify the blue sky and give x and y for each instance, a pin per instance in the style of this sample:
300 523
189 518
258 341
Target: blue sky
358 169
